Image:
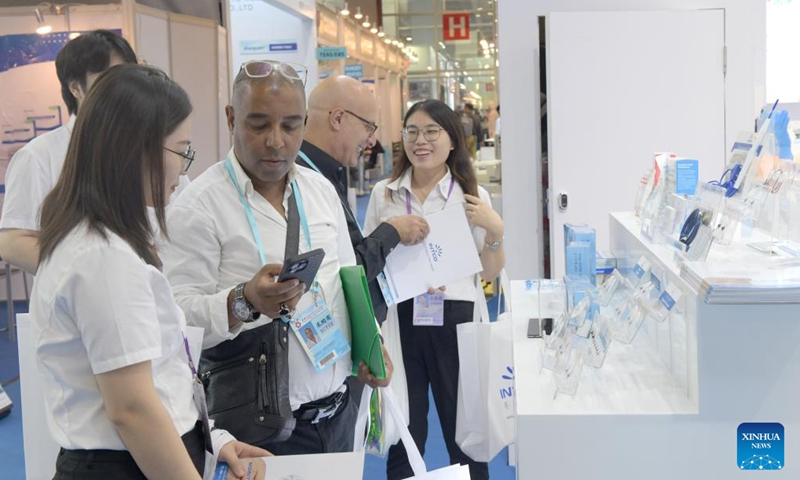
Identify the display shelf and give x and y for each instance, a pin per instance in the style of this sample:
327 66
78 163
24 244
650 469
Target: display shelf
668 405
633 380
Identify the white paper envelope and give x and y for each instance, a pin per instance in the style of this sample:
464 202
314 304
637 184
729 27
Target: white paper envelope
447 254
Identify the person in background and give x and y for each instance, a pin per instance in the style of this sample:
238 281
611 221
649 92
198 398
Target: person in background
111 340
35 168
491 119
497 122
434 173
477 129
229 232
341 113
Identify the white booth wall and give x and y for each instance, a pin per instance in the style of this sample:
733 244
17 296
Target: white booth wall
745 37
256 25
197 58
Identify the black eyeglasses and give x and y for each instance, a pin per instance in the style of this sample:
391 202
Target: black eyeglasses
264 68
431 134
188 156
371 126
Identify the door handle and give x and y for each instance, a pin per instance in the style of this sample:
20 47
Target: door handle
563 201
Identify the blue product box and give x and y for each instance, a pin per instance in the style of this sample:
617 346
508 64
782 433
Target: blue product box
574 233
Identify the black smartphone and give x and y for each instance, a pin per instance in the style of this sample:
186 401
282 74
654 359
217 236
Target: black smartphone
303 267
534 328
538 325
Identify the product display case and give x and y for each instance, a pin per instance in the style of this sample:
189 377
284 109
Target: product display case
669 404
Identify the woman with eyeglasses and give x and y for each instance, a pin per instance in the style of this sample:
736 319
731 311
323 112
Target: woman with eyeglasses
111 341
434 173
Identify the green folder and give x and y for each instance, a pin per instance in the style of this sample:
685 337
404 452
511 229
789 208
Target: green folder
366 340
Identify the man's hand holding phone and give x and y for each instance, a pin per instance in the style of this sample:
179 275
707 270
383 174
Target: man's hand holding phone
267 295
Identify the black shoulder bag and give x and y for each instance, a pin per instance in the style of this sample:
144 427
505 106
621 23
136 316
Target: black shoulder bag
247 379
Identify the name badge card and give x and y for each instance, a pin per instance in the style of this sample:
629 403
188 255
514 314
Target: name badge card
319 334
429 310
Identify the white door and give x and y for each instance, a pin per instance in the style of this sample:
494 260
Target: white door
620 86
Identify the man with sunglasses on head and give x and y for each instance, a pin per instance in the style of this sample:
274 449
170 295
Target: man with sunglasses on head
341 125
232 230
35 168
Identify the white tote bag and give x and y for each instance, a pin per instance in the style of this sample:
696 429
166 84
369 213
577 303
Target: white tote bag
390 330
485 415
452 472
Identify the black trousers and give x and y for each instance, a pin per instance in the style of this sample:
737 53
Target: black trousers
330 435
430 356
119 464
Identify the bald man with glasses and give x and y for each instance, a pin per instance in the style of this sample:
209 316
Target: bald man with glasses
341 125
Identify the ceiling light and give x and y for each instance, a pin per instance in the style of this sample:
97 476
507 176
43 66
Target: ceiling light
43 28
491 45
380 32
366 23
401 44
430 68
408 39
442 44
345 11
477 15
490 13
358 15
469 79
395 42
387 40
374 29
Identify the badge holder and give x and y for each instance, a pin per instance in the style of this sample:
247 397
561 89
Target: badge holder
631 314
640 274
598 342
606 292
665 304
556 346
568 379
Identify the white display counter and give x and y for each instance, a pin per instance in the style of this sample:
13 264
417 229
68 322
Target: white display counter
667 406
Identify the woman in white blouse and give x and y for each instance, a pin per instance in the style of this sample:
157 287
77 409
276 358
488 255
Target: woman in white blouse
435 172
110 338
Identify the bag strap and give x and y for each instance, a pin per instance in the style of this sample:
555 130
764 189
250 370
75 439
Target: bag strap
503 295
362 421
481 311
414 457
292 229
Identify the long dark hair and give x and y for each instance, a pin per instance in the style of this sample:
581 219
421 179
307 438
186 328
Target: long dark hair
118 139
458 160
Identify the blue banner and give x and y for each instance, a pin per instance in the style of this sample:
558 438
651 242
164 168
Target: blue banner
31 48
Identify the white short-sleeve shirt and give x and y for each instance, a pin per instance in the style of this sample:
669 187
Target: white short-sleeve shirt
212 250
97 307
382 208
32 172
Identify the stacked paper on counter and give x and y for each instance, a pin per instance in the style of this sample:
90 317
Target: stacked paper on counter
772 280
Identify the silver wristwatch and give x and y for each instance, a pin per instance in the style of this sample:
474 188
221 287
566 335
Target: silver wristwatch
242 309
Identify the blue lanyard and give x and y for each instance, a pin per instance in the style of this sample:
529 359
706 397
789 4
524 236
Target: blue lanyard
345 207
248 211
